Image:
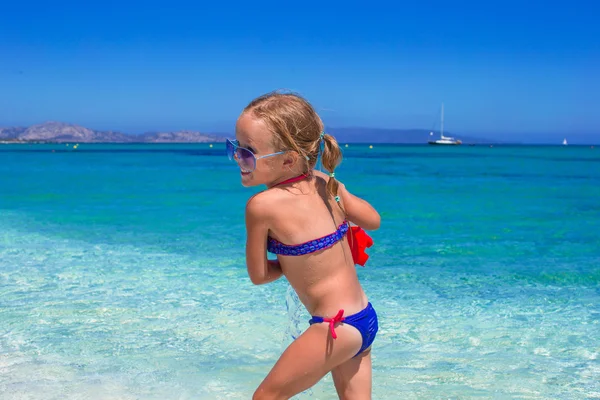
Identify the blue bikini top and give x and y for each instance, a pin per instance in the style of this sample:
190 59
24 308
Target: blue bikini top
276 247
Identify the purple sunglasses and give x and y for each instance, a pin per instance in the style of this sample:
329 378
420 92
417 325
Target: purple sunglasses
244 157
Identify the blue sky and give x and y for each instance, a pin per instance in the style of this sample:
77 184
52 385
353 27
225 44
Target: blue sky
512 69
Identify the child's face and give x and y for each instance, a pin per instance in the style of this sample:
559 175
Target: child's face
254 136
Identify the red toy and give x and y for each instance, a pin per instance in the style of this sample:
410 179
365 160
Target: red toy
359 241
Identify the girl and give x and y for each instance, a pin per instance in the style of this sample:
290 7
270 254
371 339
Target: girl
303 216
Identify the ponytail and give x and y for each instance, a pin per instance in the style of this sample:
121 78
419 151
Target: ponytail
331 158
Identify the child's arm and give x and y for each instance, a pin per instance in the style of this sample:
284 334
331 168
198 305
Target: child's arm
260 269
359 211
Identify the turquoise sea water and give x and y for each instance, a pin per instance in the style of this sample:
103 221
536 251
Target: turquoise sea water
122 274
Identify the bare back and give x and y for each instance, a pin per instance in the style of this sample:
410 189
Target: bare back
325 280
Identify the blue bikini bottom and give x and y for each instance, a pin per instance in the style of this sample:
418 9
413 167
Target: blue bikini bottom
365 321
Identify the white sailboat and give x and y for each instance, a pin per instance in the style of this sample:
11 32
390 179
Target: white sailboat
443 140
564 141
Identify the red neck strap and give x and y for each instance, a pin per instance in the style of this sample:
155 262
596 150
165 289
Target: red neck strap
292 180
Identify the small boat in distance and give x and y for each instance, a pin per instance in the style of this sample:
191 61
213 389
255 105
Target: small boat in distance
443 140
565 142
447 140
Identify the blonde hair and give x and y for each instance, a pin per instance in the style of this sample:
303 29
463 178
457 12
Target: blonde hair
296 126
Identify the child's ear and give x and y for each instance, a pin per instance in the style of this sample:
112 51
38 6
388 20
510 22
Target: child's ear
290 159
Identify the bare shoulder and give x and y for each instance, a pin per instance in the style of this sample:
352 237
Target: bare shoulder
325 177
263 204
321 175
259 203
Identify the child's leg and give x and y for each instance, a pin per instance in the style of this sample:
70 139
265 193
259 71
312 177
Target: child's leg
307 360
352 379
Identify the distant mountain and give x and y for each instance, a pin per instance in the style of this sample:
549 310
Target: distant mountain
60 132
179 137
11 133
405 136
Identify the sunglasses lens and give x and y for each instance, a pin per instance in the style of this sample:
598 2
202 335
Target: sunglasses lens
245 159
230 149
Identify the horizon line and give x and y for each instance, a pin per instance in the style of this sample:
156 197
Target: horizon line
220 132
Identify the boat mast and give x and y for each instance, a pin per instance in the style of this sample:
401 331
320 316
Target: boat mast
442 127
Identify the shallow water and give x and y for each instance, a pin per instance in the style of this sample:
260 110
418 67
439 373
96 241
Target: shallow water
122 274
